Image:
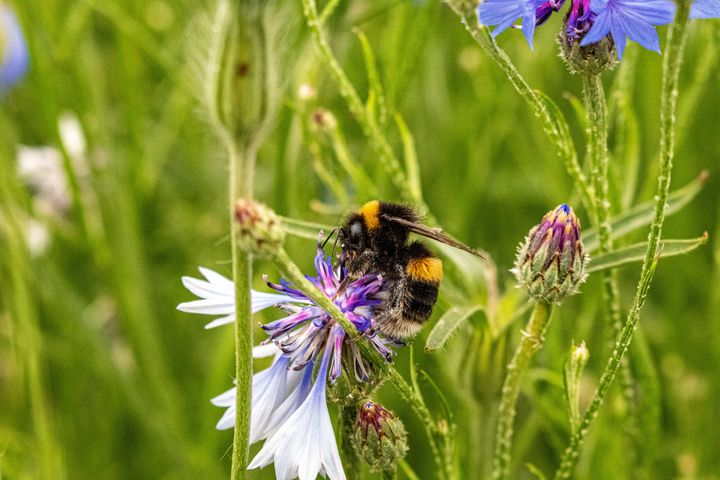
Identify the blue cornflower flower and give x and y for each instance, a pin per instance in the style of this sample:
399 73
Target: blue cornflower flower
589 21
289 409
634 19
504 13
705 9
13 49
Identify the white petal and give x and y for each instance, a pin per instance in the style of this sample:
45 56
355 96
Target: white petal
221 321
203 289
305 443
225 399
264 351
227 421
208 306
221 282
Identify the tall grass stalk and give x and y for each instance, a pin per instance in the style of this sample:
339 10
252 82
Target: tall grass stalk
672 62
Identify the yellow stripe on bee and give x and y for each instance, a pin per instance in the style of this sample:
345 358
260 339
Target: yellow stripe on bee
371 214
429 269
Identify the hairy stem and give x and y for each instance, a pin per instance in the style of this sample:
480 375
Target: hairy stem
532 340
671 70
242 274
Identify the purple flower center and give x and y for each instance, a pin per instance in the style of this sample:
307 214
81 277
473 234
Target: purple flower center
308 329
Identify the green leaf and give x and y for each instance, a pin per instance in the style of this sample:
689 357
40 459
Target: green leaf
635 253
641 215
447 324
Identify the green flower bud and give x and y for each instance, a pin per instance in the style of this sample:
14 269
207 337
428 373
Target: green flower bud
260 231
323 120
550 264
574 366
591 59
379 438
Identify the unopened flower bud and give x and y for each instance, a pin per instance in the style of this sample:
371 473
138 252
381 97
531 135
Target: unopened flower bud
580 354
574 366
260 231
323 120
379 438
550 264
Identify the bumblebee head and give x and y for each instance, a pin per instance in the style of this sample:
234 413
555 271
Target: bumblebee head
357 234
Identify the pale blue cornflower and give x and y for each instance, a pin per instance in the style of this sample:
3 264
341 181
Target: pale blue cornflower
589 21
705 9
13 49
289 404
634 19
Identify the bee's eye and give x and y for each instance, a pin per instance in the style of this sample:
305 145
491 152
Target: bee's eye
356 231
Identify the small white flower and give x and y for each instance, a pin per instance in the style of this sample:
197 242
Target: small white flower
304 446
41 170
218 298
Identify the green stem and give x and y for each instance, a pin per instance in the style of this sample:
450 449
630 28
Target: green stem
293 273
596 110
242 274
671 70
532 340
563 143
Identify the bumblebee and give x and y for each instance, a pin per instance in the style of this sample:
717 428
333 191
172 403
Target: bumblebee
374 239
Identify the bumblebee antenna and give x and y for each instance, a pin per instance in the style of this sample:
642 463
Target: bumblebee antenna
337 238
332 232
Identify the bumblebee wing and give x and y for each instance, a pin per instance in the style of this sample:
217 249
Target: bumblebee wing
432 233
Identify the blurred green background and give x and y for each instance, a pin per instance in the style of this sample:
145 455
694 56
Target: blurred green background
88 314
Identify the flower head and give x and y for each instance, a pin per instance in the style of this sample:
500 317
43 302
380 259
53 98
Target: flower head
259 229
551 262
590 21
633 19
13 49
379 438
288 405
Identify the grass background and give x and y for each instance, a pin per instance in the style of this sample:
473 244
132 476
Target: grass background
127 378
